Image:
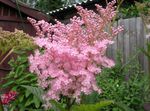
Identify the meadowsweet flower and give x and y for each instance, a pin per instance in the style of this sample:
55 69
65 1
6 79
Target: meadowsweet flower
74 53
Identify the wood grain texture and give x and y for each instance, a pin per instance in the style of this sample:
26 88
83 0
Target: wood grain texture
130 41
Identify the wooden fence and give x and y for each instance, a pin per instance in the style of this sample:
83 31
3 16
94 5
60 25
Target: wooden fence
130 41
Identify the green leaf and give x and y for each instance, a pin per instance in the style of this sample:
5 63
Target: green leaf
29 102
22 59
92 107
25 79
8 83
31 109
122 106
90 99
27 93
12 108
15 87
146 52
19 70
21 97
38 92
23 82
148 47
22 109
33 79
57 106
36 101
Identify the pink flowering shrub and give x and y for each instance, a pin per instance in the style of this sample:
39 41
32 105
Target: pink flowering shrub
74 53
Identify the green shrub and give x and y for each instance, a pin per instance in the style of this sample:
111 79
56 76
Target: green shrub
129 9
125 84
16 80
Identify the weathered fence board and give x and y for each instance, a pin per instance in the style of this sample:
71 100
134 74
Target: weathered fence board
130 41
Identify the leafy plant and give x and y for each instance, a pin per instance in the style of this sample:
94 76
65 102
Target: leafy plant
11 42
57 106
14 41
129 9
17 79
125 84
147 53
91 107
48 5
143 8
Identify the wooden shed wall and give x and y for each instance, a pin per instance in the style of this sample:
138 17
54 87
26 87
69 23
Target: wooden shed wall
11 19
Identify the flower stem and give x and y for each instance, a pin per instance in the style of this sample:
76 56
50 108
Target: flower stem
8 54
70 103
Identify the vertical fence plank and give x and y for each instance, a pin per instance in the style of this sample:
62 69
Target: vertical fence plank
130 41
114 46
140 42
126 52
132 36
145 40
109 51
120 39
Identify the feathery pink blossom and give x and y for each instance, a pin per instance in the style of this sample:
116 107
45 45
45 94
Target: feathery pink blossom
74 53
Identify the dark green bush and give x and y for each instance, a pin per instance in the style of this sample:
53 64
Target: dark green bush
16 79
126 84
129 9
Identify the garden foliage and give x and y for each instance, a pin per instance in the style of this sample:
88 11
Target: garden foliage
16 80
17 40
19 76
129 9
125 84
48 5
13 42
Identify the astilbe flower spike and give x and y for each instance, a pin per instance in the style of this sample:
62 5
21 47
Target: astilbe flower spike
74 53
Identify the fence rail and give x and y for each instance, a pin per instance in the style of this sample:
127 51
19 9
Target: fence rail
130 41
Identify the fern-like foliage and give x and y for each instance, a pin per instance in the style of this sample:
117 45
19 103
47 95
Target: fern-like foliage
37 91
